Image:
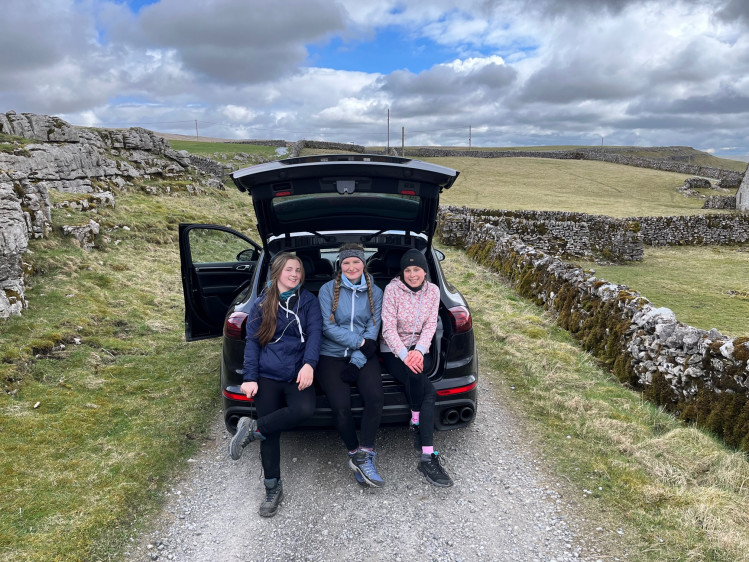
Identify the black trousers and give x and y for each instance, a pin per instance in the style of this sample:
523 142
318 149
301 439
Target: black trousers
369 383
419 392
280 406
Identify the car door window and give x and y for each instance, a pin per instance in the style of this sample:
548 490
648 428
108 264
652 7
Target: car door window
218 246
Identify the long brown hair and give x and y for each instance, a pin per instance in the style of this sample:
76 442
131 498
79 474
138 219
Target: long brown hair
269 305
337 284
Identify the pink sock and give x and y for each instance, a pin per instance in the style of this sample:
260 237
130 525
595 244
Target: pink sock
415 417
427 450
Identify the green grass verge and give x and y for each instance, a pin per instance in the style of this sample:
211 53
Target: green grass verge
104 400
657 489
706 287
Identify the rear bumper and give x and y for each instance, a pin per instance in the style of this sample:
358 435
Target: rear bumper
452 411
455 406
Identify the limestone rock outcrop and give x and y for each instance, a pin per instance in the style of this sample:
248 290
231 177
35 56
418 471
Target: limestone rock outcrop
39 153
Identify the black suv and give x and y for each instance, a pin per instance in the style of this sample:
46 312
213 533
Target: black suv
310 206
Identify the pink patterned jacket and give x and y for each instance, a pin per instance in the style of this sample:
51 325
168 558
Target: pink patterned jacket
408 318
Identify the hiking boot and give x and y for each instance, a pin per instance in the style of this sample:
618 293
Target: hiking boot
273 497
415 435
362 462
359 479
431 467
246 433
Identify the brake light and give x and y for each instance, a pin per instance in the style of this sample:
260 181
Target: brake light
235 324
456 390
408 192
461 319
235 396
282 194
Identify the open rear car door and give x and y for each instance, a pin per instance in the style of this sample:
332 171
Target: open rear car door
217 265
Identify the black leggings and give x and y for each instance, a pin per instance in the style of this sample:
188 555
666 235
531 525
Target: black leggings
419 391
369 383
280 406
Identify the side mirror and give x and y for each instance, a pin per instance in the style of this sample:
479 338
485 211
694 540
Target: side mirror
440 255
249 254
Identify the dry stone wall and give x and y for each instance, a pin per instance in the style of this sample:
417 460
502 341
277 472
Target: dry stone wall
694 230
727 202
276 143
561 233
296 148
599 237
702 376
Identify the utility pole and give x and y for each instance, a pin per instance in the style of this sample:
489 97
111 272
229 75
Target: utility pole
387 151
403 142
469 137
196 130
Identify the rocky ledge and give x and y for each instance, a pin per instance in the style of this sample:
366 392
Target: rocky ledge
39 153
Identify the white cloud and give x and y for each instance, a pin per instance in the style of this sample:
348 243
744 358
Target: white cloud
238 113
516 71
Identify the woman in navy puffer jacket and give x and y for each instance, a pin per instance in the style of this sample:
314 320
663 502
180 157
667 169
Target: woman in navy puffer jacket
284 331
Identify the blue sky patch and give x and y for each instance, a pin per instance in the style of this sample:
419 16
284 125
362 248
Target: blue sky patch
390 50
136 5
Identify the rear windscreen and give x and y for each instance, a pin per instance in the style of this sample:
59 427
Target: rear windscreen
294 208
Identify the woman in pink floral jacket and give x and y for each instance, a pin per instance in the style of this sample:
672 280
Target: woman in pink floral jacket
409 319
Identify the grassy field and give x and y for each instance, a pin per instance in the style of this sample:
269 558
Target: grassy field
706 287
224 151
673 153
546 184
567 185
104 401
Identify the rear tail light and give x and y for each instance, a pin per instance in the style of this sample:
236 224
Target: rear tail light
235 324
237 396
456 390
461 319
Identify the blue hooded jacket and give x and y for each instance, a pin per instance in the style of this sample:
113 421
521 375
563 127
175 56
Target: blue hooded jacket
290 348
353 320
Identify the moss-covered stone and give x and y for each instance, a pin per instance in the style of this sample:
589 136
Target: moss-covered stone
741 349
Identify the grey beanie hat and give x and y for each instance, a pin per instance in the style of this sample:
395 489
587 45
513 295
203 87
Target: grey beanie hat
351 253
414 257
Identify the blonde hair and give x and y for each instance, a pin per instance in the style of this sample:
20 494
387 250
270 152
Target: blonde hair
337 283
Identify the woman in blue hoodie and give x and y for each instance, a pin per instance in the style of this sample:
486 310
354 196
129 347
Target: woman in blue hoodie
284 332
351 304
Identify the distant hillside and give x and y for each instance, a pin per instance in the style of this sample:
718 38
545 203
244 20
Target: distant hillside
684 154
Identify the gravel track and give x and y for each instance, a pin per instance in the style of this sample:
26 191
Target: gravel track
504 505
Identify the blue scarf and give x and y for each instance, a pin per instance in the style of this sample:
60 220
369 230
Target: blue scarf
362 284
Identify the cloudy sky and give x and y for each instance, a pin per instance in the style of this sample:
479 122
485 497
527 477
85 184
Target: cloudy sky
447 72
